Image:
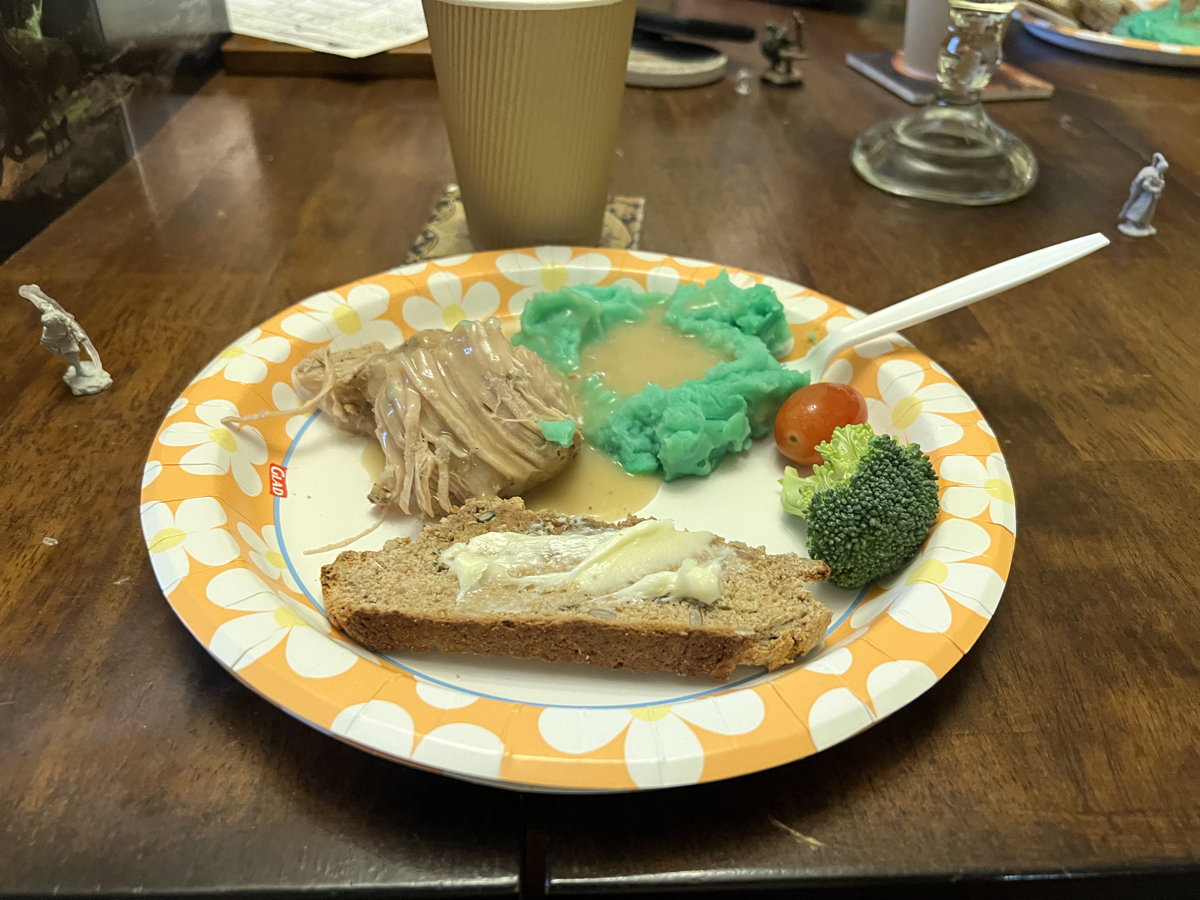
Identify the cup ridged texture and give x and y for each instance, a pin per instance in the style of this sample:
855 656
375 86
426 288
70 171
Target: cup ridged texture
532 102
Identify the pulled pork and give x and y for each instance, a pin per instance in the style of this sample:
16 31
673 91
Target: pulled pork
456 412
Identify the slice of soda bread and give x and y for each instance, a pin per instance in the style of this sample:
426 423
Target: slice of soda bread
406 597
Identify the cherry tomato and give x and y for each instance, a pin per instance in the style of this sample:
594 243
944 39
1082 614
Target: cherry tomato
808 417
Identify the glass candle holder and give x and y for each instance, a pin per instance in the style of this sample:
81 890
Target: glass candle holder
951 151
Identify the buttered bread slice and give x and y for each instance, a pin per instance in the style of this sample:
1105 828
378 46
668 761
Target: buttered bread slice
496 578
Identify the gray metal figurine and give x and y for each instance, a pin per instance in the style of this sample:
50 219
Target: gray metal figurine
64 337
798 25
782 50
1144 192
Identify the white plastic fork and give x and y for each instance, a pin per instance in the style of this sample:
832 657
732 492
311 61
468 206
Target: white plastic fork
946 298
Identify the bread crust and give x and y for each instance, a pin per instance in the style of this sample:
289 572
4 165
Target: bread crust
402 598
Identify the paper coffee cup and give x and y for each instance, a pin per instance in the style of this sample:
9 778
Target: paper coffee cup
926 23
531 92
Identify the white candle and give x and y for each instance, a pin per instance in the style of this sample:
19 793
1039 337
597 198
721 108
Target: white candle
925 25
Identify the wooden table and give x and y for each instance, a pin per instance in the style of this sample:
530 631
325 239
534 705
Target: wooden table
1062 748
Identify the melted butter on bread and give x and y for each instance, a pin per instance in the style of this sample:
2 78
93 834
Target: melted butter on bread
649 560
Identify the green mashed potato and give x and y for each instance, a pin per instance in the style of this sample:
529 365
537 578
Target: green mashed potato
1167 25
687 429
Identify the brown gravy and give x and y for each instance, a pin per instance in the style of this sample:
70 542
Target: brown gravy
372 458
594 485
635 354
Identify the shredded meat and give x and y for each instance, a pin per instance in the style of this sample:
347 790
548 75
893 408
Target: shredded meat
456 413
340 379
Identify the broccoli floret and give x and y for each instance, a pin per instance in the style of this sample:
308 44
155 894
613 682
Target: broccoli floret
868 507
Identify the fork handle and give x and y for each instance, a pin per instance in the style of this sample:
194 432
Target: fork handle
963 291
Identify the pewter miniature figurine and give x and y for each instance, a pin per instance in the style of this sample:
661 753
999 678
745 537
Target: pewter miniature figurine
780 49
798 24
63 336
1144 192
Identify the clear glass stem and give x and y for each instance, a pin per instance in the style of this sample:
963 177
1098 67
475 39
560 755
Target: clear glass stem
951 151
971 53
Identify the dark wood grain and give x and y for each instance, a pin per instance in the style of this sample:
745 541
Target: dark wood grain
1064 743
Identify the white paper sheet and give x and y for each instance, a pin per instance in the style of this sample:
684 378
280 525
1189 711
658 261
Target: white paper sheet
352 28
